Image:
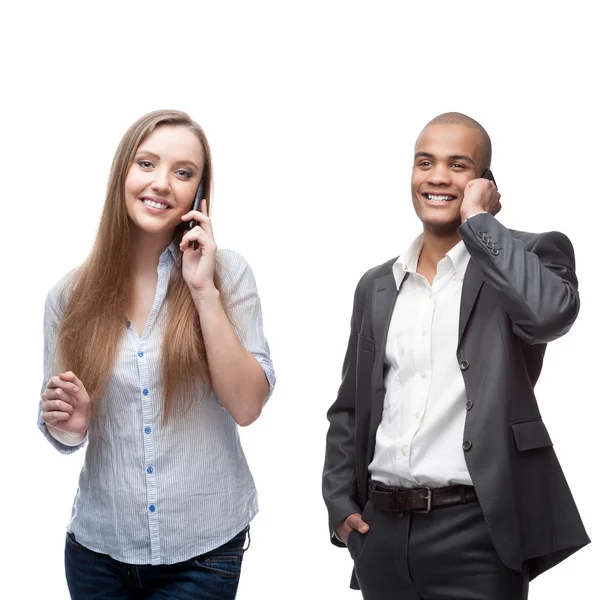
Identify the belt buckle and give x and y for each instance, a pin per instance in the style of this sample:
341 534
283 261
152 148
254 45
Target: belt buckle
428 498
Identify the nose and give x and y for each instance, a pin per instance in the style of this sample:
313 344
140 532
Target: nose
440 175
160 183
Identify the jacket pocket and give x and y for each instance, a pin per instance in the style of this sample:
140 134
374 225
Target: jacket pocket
531 434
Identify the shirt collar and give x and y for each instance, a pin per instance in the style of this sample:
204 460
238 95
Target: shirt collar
459 255
172 251
407 262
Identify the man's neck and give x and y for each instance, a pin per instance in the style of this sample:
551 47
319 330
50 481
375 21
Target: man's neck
435 247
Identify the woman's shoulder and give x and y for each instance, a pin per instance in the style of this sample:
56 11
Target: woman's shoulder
231 259
233 268
60 292
231 263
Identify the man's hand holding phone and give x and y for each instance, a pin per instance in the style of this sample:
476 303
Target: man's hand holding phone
480 195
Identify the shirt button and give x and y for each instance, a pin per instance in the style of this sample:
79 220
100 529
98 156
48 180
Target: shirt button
467 445
424 375
403 451
140 354
127 323
147 430
145 392
417 415
150 470
453 277
152 508
423 333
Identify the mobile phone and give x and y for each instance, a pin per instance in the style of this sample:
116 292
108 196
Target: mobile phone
487 174
196 206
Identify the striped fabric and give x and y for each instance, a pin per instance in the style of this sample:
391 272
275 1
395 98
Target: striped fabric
150 494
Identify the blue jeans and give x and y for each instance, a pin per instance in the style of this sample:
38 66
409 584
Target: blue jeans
210 576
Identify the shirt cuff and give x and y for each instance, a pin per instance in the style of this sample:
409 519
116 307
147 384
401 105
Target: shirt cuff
66 437
483 212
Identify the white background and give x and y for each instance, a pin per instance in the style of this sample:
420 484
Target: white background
312 109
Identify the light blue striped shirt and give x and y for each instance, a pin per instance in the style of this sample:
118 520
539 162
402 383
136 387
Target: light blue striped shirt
150 494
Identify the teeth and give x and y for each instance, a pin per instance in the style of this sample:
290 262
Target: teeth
155 204
438 198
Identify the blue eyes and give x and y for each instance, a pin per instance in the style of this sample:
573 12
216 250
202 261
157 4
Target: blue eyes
146 164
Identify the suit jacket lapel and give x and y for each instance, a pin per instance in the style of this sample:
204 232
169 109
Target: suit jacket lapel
471 287
384 300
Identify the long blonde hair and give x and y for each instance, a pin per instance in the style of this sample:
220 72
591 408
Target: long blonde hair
92 327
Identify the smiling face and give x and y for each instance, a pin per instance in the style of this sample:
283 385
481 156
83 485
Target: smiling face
162 181
447 157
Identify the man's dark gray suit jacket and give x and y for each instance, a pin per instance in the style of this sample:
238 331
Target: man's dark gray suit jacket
519 292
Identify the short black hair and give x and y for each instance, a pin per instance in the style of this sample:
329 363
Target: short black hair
456 118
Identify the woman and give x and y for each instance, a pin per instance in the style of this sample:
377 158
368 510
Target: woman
154 353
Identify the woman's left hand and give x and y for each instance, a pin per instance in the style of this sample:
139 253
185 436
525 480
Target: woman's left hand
198 266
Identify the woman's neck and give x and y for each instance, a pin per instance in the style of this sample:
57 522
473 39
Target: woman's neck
146 250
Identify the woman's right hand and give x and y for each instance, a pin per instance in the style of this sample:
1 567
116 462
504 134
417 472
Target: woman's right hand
66 404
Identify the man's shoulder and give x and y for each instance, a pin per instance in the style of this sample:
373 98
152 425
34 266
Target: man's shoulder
553 238
377 271
527 237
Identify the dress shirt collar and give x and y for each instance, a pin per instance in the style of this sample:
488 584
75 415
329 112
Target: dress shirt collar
458 258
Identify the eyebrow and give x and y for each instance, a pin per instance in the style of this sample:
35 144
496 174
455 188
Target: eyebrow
179 163
462 157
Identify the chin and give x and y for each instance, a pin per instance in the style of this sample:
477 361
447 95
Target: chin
442 228
152 226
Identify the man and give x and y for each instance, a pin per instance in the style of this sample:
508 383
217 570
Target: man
439 475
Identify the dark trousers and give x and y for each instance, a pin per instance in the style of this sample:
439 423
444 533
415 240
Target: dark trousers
214 575
446 554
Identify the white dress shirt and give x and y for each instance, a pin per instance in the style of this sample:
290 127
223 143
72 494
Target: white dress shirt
419 440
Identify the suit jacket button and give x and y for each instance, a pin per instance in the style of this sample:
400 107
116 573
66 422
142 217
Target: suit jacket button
464 365
467 445
469 405
480 234
495 251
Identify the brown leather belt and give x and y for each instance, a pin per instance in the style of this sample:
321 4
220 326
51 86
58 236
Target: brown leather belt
418 499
